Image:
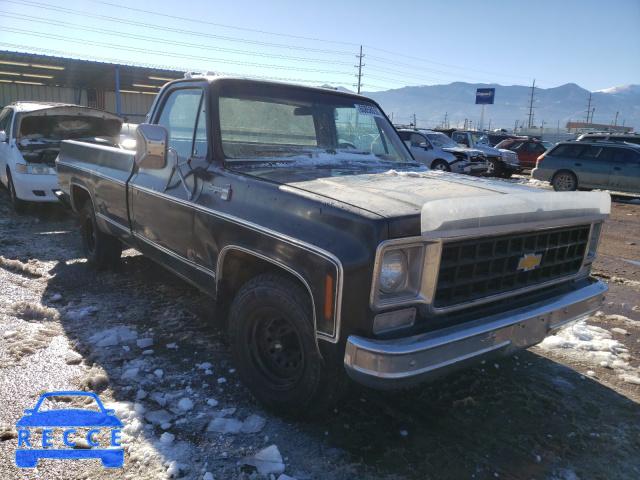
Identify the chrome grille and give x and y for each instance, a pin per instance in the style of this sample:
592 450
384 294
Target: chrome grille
480 268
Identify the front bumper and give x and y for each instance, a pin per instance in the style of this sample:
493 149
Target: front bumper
512 167
476 168
389 364
35 188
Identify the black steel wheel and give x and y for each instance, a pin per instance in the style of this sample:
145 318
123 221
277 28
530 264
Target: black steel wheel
273 345
103 251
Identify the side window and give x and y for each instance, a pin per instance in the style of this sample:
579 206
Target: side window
621 155
180 116
404 136
593 152
459 138
5 120
416 140
519 146
537 148
567 150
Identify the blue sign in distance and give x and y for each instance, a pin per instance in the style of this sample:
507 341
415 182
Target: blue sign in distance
70 419
485 96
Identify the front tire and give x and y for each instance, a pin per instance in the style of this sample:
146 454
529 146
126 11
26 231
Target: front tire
273 345
495 168
103 251
564 181
441 165
17 204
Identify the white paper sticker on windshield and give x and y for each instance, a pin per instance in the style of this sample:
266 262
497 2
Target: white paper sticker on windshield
369 110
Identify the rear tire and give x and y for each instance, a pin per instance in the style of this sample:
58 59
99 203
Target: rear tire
17 204
564 181
273 345
103 251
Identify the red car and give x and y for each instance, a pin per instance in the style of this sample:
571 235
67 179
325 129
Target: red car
528 149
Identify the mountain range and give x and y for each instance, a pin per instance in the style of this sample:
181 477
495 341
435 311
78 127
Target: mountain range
455 103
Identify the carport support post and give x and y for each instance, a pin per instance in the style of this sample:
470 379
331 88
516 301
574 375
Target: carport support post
117 91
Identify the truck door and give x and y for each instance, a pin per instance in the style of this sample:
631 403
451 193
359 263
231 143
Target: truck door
162 201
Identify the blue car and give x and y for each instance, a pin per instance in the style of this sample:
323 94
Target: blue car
68 418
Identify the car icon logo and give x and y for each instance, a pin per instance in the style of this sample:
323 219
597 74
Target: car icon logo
69 419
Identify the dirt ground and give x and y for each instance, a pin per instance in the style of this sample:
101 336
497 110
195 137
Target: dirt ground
544 414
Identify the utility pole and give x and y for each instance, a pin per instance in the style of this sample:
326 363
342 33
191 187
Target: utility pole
533 88
589 110
360 65
615 122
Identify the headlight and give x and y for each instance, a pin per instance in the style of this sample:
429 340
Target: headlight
35 169
394 271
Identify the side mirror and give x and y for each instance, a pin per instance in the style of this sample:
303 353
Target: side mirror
3 136
151 146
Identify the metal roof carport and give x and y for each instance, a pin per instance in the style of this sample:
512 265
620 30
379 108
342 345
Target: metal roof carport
123 89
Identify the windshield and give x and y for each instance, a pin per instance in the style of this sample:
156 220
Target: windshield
266 123
480 138
441 140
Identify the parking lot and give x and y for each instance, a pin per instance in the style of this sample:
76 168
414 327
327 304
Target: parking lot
145 342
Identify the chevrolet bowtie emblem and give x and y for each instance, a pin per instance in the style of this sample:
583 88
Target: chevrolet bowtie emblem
529 262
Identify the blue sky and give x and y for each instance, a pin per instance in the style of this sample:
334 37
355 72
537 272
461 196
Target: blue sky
595 44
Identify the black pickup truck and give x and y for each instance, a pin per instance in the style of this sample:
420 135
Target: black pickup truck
330 252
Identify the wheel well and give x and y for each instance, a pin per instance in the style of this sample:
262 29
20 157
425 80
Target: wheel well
79 197
238 267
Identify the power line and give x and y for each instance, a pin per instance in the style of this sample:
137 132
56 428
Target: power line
123 21
170 54
170 29
169 42
118 61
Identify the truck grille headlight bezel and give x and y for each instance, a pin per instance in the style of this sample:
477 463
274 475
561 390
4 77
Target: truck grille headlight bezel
594 240
398 273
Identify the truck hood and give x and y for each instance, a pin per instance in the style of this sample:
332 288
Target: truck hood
394 194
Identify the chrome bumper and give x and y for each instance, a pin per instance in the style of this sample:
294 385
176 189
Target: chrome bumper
388 364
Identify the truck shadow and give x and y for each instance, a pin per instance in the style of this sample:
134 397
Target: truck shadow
520 418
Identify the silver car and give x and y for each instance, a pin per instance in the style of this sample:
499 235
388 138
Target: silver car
439 152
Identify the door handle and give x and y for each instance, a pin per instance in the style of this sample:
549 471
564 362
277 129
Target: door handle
578 164
617 168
